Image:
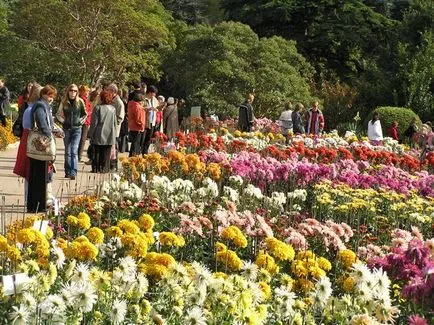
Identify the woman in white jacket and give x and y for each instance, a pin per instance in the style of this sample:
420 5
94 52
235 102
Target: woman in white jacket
375 133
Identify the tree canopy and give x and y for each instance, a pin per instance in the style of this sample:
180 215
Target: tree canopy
352 55
83 41
216 67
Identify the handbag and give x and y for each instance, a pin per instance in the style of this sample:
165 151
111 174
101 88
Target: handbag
39 146
17 128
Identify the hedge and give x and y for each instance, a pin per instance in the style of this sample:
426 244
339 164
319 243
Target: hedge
388 114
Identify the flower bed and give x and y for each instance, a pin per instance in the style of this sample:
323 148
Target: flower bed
251 232
6 136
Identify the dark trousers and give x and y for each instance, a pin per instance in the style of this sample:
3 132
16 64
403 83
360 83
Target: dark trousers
84 130
123 143
149 133
37 192
101 159
137 138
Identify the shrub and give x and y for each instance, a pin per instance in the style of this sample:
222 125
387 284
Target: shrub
388 114
6 136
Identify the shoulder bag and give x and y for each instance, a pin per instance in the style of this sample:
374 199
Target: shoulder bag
39 146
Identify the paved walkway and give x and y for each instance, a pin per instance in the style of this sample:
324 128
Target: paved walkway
12 186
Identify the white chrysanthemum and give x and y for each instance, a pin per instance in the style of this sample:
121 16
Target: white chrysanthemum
215 288
285 300
67 293
381 280
194 317
29 301
20 315
231 194
59 256
212 188
279 198
361 272
254 192
298 194
118 311
70 269
127 264
322 292
177 270
250 271
236 180
196 296
81 273
84 297
256 293
141 285
53 305
202 274
364 293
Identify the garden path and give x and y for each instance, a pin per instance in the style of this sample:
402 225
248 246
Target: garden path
12 186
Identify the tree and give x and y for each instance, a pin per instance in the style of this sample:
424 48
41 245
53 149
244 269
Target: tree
195 11
92 39
216 67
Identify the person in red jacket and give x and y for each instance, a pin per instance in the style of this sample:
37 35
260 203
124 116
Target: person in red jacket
393 131
136 123
83 93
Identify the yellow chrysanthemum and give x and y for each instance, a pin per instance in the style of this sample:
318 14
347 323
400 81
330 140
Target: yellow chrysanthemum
220 275
26 236
305 254
348 284
95 235
347 257
62 243
146 222
3 243
72 220
324 264
299 269
114 231
220 247
128 226
304 285
83 221
49 233
280 250
230 260
235 235
81 249
316 272
171 239
13 253
156 271
265 289
265 261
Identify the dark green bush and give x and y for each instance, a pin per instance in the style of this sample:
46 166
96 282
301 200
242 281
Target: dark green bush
388 114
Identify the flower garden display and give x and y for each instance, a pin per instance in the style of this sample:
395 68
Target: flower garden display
236 228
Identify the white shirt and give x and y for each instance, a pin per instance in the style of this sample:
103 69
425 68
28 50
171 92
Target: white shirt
375 132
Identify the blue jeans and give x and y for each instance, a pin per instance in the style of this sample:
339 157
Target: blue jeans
71 141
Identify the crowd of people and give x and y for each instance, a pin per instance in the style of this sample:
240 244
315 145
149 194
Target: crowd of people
120 120
290 120
109 118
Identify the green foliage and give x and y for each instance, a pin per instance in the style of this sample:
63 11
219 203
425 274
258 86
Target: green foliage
334 34
195 11
338 101
388 114
85 41
217 66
